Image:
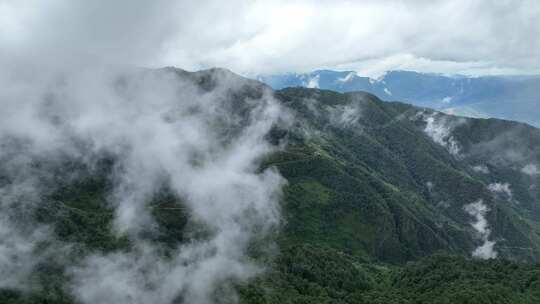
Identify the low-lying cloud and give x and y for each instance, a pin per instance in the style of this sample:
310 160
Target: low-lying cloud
531 169
480 169
501 189
479 210
439 129
347 115
163 131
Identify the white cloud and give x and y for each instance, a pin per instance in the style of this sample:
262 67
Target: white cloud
481 169
479 210
17 252
478 37
486 250
531 169
161 129
501 188
439 129
347 115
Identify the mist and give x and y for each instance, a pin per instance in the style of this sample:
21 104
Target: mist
478 210
73 93
439 128
531 169
162 130
501 189
126 179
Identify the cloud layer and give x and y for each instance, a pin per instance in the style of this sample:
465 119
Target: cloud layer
279 36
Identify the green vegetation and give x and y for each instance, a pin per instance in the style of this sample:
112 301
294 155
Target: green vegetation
373 211
308 274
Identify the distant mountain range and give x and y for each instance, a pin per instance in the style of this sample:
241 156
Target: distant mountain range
505 97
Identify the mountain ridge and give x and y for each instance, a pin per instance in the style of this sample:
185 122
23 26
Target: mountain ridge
508 97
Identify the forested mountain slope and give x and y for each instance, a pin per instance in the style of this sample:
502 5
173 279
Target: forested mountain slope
392 181
381 203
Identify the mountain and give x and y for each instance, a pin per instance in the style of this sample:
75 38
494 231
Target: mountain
382 202
505 97
396 178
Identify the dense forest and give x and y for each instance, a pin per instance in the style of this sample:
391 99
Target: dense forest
376 207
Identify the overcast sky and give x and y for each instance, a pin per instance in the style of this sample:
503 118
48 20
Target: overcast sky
261 37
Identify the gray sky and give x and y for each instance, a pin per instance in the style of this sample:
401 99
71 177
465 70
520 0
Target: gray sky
250 37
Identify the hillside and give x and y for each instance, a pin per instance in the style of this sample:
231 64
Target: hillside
381 202
392 180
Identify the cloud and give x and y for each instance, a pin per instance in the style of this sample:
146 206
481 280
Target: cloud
346 116
144 275
69 91
477 37
530 169
507 148
486 250
479 210
481 169
439 129
162 130
17 252
501 188
23 185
